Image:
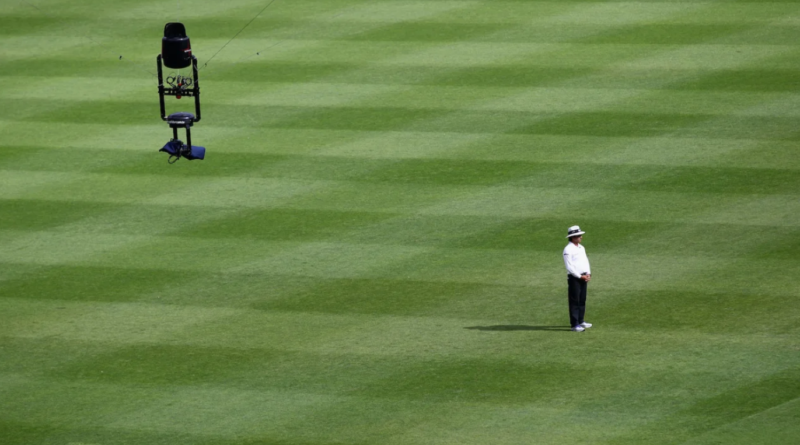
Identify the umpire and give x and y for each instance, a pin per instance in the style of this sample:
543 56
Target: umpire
578 275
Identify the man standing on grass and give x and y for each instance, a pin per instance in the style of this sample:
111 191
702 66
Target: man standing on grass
578 276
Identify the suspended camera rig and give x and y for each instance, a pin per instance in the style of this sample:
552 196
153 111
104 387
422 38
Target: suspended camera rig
176 53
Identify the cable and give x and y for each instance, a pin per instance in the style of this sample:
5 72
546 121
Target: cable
258 53
240 31
27 2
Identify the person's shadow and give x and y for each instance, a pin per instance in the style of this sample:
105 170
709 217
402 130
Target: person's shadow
518 327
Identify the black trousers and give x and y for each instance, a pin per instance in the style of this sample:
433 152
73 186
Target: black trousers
577 299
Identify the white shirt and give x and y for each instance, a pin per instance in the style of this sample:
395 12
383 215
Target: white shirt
576 260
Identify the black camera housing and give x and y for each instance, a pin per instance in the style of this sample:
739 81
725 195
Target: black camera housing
176 53
176 49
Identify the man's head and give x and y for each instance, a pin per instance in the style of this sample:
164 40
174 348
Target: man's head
575 234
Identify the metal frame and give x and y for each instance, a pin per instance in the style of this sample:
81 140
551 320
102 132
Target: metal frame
170 91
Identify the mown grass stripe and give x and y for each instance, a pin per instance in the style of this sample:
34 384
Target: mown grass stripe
426 199
596 123
46 152
543 100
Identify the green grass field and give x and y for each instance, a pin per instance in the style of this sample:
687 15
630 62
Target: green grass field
371 251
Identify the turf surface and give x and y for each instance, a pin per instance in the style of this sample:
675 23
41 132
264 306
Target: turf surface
371 252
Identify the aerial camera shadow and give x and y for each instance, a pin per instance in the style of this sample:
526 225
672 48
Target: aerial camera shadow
518 327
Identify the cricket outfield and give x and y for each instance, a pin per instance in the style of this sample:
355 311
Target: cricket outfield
371 251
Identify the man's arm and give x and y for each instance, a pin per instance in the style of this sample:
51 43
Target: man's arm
588 275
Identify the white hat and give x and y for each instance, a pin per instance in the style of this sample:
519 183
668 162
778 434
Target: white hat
574 231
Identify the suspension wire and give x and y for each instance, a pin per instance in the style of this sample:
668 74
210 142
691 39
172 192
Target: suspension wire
258 53
237 34
89 38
